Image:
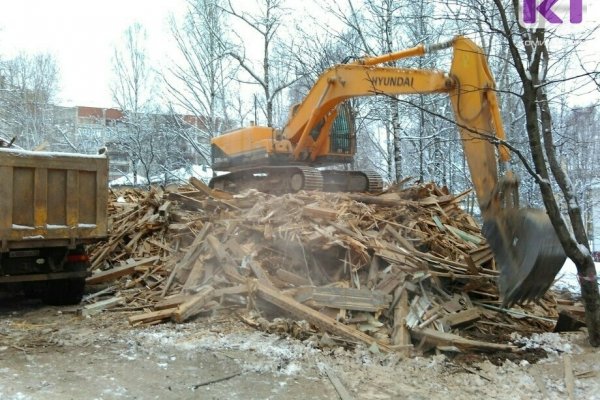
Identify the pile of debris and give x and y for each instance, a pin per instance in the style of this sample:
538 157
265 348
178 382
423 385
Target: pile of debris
406 266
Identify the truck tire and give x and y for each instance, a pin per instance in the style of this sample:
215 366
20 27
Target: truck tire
62 292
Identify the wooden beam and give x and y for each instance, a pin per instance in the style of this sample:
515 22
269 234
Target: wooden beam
194 305
338 385
201 186
114 273
260 274
444 339
320 212
349 298
400 332
325 323
99 306
291 278
191 256
151 316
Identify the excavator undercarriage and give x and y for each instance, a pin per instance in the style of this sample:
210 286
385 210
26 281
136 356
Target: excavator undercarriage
291 179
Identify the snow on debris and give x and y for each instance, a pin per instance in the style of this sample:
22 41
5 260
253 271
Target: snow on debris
552 343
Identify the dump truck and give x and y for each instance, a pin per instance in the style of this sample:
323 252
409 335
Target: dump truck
52 205
319 133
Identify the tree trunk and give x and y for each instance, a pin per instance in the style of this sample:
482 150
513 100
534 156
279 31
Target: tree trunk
574 249
395 121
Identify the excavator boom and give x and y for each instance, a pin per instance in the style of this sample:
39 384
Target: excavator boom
320 130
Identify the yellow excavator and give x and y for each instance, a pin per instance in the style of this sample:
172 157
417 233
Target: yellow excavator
320 131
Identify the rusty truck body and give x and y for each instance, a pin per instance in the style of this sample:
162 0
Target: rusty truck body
51 206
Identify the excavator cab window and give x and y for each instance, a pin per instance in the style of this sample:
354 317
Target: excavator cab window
343 131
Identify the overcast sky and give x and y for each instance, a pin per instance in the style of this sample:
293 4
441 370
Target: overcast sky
82 35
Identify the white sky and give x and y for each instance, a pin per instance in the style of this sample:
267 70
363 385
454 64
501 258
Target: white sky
81 34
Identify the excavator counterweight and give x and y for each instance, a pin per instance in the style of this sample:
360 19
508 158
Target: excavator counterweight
320 132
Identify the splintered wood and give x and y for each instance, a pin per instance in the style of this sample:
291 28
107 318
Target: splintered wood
391 270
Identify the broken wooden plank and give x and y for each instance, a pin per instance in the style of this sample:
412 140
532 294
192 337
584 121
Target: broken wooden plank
163 210
188 203
172 302
217 247
400 332
201 186
390 282
238 289
114 273
151 316
325 323
338 385
569 378
320 212
260 273
196 275
349 298
462 317
464 235
291 278
190 256
99 306
399 238
444 339
194 305
373 271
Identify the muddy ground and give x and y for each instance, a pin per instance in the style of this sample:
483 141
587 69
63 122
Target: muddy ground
53 353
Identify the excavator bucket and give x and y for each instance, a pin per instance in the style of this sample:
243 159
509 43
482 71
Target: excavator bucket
527 251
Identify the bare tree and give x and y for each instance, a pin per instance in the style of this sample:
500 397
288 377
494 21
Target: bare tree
132 89
199 82
28 85
275 72
532 58
134 79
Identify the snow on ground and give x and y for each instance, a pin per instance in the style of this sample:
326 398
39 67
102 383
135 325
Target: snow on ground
180 175
567 277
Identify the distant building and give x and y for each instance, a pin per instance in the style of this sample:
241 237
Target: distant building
93 128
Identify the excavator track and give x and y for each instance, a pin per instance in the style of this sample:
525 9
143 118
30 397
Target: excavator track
312 178
351 181
270 179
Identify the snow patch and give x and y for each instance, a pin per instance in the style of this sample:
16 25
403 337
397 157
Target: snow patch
281 356
552 343
567 278
180 175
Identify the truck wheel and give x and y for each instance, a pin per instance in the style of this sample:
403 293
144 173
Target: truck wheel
62 292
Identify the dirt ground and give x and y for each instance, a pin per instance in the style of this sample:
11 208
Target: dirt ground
53 353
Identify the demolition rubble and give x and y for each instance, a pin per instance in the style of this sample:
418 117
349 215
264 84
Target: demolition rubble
404 270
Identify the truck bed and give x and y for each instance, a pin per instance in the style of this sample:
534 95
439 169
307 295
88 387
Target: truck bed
51 199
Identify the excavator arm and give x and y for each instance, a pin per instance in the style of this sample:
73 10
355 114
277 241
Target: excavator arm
469 84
